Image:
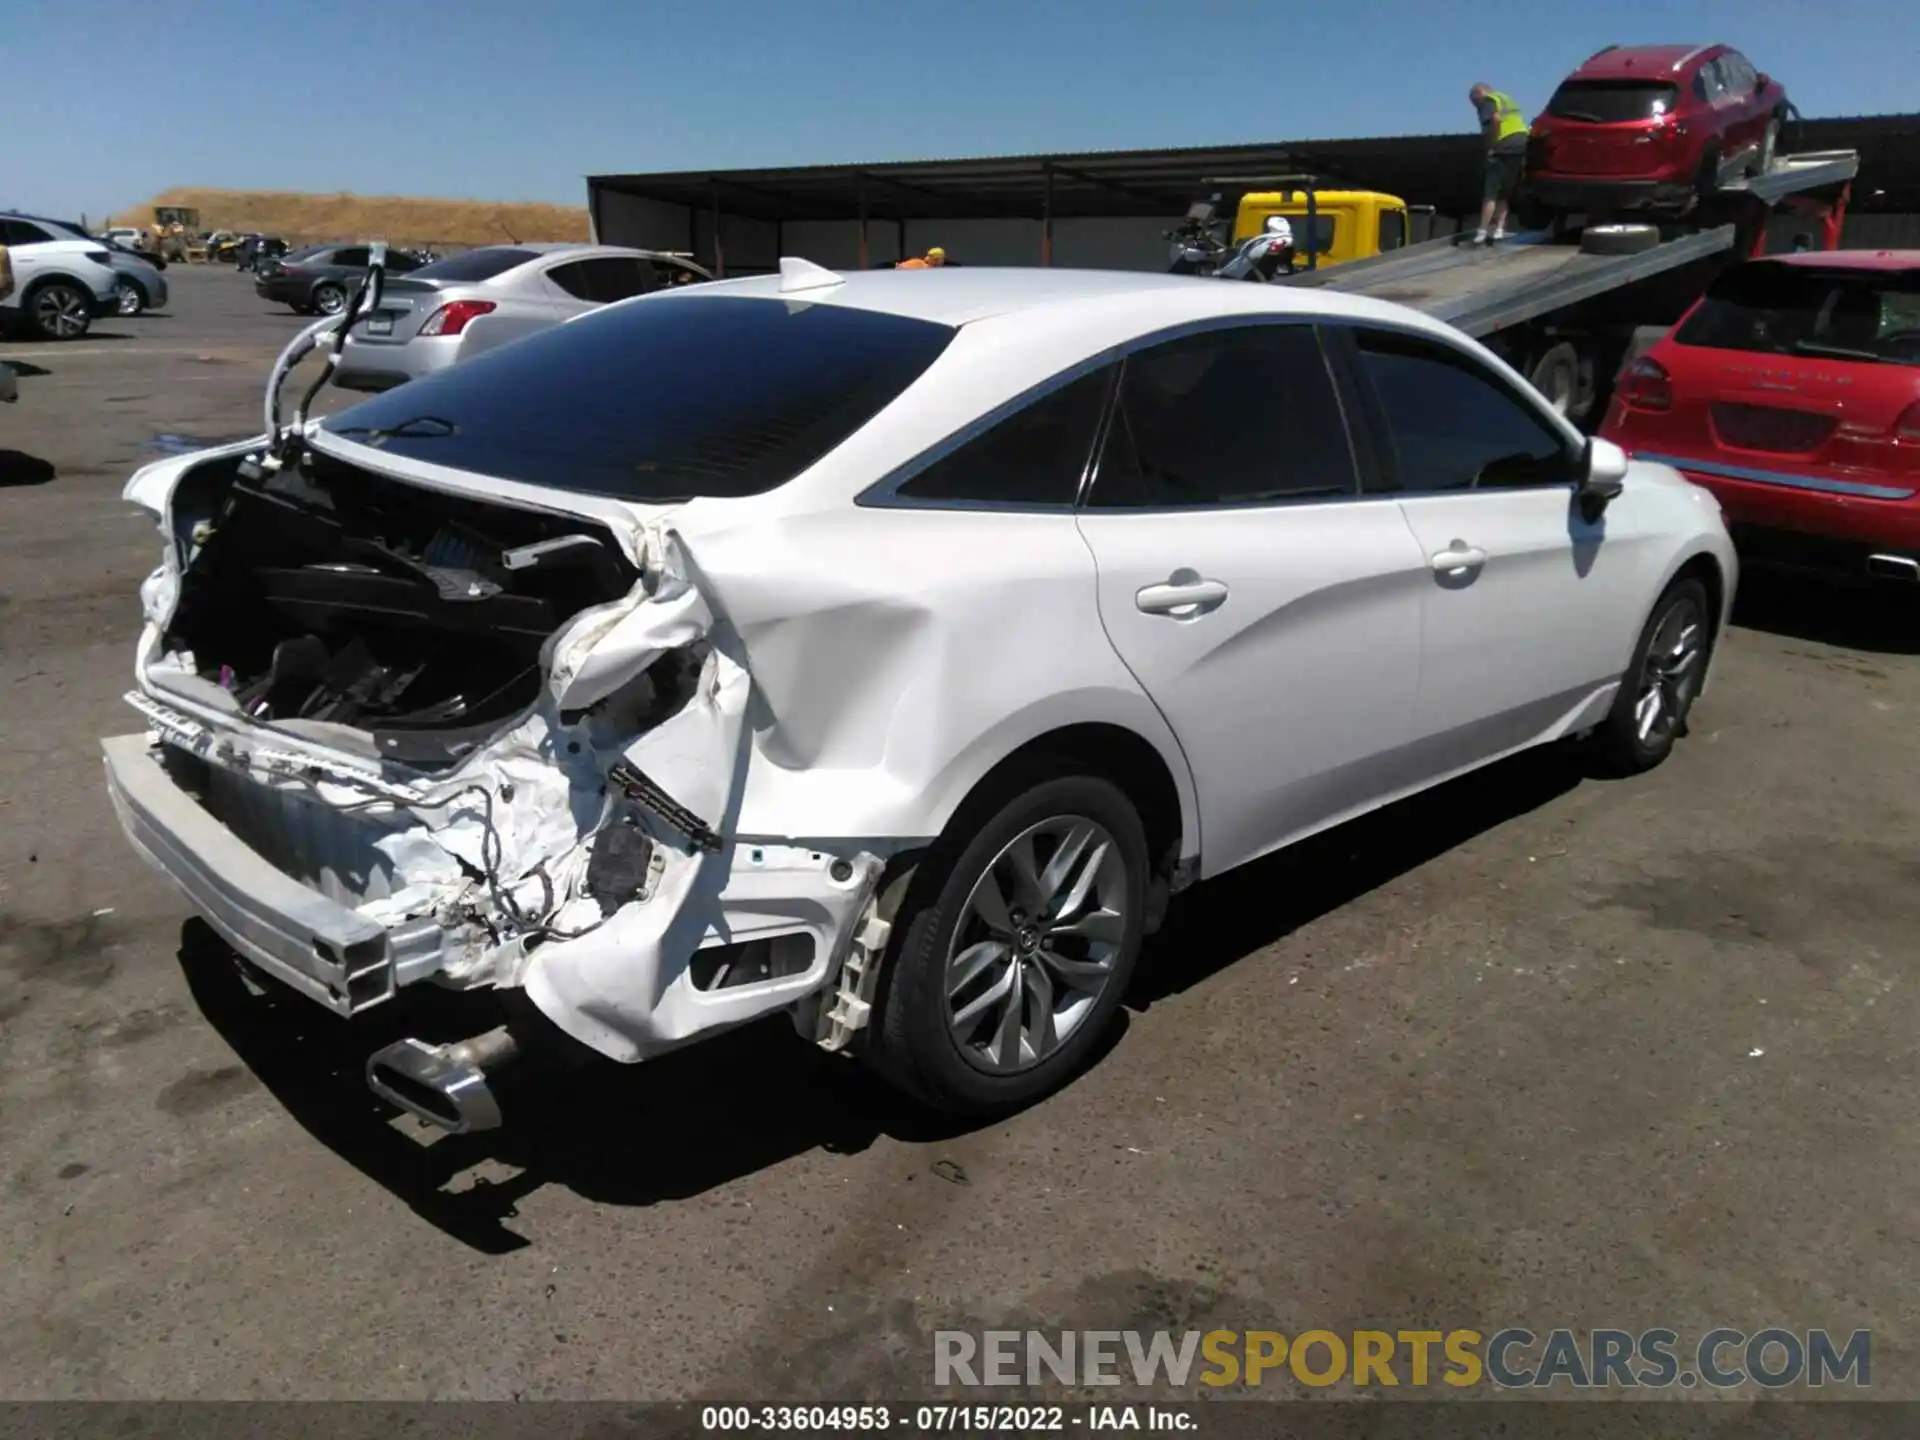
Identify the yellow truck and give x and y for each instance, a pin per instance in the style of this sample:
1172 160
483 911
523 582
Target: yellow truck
1345 224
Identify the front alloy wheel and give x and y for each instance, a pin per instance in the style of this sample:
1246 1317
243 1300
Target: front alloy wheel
1668 668
1036 947
1670 674
61 311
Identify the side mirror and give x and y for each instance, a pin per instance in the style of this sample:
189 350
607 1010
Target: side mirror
1603 475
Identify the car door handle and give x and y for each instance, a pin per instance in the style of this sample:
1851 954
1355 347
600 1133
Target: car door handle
1458 557
1180 597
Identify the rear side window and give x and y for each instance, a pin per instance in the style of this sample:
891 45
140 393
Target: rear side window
694 395
1227 417
476 265
1452 424
353 255
604 279
1607 102
1035 456
1774 309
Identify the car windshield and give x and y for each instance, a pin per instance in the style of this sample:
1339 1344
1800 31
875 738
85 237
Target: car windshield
668 398
1605 102
476 264
1774 309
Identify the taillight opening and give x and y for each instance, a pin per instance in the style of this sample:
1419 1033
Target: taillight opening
1646 385
455 316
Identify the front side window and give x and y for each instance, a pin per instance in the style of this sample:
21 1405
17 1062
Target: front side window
1235 416
1035 456
1452 424
1393 229
685 396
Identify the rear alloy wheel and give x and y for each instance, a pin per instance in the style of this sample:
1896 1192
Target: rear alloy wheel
1012 955
1661 684
61 310
132 301
329 299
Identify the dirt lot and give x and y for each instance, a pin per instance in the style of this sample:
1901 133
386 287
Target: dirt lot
1536 1050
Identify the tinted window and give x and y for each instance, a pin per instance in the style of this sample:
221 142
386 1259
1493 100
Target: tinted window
1452 424
476 264
308 252
353 255
1035 456
683 396
603 280
1774 309
1227 417
24 232
1393 229
1606 102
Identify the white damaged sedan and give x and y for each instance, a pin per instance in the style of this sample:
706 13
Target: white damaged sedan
883 649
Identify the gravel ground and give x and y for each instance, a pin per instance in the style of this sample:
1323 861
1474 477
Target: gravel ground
1535 1049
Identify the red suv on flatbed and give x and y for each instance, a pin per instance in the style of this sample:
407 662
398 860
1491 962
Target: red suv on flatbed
1791 390
1653 127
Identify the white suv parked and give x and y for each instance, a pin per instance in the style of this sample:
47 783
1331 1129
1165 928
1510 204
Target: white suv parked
61 284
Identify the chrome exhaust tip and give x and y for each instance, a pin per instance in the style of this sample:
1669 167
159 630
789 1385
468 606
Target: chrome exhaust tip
1894 567
444 1085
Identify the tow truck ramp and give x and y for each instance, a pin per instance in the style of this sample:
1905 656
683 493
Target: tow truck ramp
1485 289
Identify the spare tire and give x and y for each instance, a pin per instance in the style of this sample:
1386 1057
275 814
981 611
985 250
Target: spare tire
1619 239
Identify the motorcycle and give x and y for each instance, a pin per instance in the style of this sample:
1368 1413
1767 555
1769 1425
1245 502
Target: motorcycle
1198 248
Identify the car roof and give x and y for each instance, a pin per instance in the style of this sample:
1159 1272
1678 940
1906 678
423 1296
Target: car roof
961 295
1643 62
1849 259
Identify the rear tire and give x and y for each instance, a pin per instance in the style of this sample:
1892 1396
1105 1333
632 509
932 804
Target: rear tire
1556 375
1661 683
1060 954
1769 148
329 299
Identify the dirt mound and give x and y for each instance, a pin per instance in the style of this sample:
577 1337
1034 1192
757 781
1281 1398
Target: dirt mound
397 219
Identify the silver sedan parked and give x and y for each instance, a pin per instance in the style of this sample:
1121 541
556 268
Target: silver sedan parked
456 308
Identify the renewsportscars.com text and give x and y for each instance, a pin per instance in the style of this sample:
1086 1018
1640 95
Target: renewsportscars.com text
1512 1358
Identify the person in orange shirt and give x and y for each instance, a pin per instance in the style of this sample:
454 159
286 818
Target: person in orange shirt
935 258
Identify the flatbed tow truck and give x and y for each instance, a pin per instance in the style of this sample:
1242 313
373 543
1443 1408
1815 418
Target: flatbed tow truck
1569 308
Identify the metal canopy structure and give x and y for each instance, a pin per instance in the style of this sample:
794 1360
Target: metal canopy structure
1442 171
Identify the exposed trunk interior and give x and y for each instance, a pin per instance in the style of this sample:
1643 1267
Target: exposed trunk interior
328 597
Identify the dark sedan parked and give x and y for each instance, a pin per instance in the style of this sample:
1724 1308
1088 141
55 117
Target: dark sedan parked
321 278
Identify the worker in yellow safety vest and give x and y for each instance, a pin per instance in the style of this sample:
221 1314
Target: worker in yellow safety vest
1504 128
935 258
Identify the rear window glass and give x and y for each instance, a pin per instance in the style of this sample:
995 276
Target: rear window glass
665 399
476 265
1602 102
1776 309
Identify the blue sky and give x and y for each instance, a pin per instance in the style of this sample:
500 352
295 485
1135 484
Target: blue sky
510 100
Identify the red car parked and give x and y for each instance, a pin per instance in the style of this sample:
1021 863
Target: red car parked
1653 127
1791 390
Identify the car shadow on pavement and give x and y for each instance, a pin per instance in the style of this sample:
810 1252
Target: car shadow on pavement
636 1135
1883 619
19 468
1217 923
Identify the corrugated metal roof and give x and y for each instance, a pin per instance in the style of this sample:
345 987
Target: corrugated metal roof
1441 170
